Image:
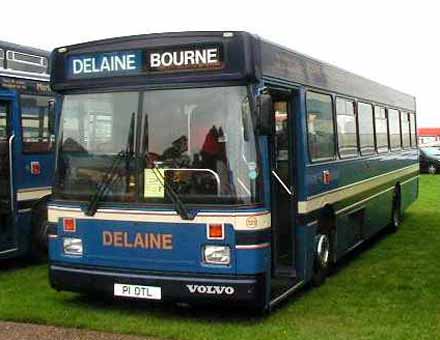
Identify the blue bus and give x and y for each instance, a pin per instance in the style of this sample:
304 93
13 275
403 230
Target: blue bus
201 167
27 141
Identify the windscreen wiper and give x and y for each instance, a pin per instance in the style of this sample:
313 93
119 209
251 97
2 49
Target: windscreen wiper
112 174
106 182
180 207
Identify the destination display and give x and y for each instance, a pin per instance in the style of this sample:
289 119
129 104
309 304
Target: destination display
135 62
25 86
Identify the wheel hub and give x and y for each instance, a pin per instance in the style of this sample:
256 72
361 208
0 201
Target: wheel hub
323 250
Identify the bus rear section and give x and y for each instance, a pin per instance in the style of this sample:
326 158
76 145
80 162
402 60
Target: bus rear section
27 142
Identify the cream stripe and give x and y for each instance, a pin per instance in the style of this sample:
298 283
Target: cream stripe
318 201
156 212
363 201
8 251
240 221
33 193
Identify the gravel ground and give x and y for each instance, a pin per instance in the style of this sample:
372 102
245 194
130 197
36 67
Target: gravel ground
24 331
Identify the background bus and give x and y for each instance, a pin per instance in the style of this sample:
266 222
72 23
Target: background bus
216 166
26 149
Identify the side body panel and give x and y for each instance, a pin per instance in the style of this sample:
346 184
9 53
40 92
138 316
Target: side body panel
360 192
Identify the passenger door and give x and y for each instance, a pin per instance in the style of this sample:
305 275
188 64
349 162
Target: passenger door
7 225
283 242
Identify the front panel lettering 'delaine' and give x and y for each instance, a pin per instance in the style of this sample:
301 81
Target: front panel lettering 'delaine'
122 239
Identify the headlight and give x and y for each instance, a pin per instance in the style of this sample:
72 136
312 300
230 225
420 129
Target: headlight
217 255
72 246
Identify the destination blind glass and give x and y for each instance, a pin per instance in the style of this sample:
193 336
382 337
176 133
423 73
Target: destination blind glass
25 86
205 57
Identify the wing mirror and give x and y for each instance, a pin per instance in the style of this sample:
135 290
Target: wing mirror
51 115
264 114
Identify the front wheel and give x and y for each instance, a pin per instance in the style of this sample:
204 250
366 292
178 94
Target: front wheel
321 266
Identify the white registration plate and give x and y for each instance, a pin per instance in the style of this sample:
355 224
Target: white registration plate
140 292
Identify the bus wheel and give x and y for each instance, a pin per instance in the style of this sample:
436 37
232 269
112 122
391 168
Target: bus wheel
39 242
322 258
396 216
432 169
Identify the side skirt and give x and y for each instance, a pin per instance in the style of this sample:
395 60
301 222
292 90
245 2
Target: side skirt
284 295
8 252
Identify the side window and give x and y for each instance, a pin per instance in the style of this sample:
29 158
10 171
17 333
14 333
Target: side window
393 119
347 128
406 139
320 126
413 129
36 124
381 129
366 128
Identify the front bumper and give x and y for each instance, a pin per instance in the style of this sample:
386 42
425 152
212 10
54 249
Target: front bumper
244 290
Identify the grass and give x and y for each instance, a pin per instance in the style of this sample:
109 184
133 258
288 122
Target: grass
390 289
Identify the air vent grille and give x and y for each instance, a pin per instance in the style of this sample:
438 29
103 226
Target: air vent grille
26 62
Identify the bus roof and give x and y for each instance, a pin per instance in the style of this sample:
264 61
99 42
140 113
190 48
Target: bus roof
280 62
5 45
242 57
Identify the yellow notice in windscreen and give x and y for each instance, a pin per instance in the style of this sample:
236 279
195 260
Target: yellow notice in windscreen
153 183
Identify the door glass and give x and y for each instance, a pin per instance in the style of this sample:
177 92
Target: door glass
7 236
4 151
282 141
283 245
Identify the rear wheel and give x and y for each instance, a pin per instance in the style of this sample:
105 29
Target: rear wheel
432 169
39 241
396 216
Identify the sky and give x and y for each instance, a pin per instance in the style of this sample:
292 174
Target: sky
393 42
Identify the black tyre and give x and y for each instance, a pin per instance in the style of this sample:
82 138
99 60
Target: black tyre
396 216
39 240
